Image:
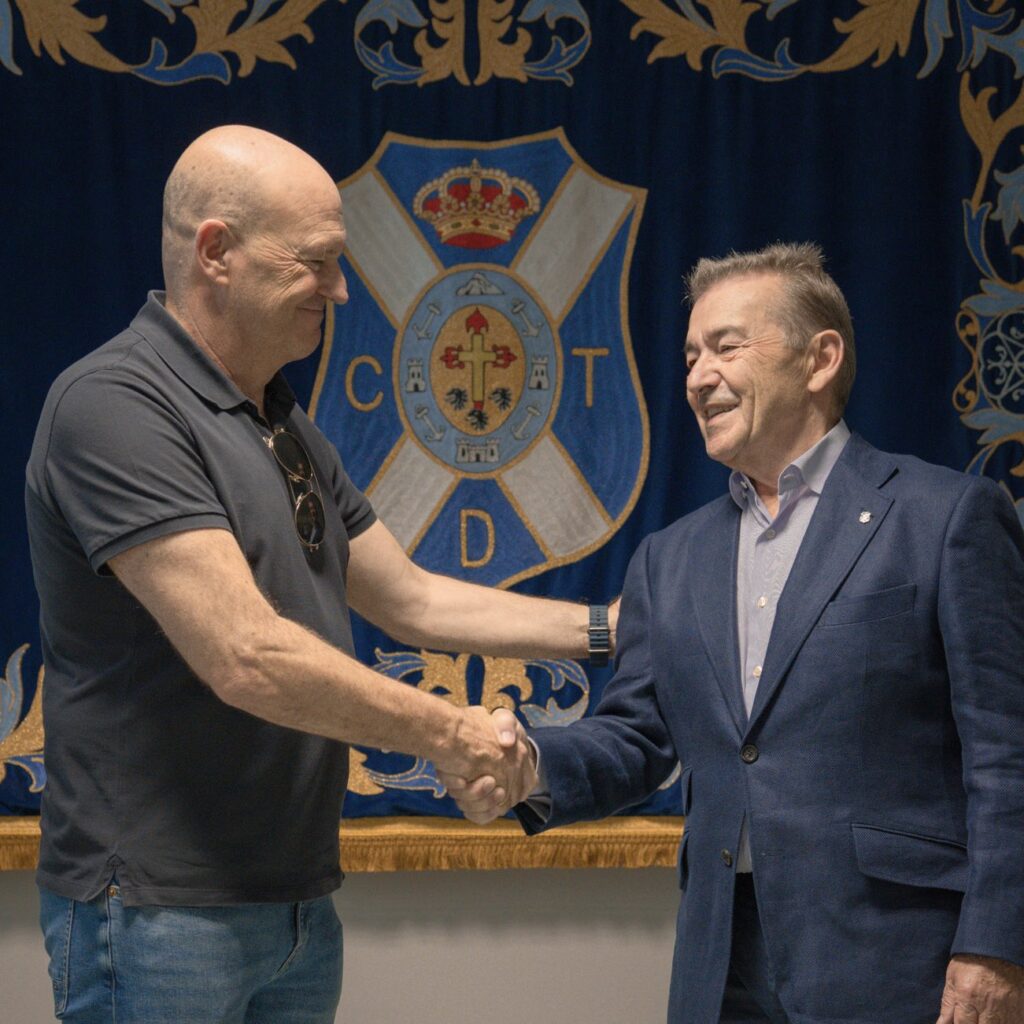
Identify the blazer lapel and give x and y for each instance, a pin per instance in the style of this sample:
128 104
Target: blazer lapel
714 569
849 512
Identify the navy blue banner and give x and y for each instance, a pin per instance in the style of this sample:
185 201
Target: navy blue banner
525 182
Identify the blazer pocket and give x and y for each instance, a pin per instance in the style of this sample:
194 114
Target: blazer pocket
682 863
882 604
925 861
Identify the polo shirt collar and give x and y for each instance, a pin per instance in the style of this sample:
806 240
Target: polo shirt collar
176 347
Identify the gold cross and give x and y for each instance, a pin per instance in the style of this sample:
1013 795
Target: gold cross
478 357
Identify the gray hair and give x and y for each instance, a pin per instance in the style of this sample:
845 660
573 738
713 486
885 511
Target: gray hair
811 301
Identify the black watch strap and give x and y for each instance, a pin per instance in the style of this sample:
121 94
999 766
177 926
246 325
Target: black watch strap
599 640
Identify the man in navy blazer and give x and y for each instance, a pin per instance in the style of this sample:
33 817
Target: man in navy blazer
834 654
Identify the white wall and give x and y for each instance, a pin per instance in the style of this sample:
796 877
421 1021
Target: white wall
459 947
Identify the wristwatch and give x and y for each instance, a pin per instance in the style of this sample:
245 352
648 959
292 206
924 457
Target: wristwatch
599 640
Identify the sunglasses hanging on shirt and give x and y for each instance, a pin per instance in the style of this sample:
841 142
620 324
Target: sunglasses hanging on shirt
292 457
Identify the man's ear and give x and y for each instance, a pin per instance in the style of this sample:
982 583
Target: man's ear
213 239
825 352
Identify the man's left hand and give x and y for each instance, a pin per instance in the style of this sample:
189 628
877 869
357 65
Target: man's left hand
982 990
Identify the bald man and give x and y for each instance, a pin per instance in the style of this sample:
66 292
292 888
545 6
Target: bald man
196 546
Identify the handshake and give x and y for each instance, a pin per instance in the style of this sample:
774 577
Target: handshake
489 766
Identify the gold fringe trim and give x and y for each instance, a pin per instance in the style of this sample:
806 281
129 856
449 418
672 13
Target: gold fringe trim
19 843
447 844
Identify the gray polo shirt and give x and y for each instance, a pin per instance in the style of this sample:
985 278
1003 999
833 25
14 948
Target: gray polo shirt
149 774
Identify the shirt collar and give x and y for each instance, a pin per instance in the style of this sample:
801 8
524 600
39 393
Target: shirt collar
176 347
812 468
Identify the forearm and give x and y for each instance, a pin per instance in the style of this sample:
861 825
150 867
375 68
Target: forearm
276 669
292 678
286 675
459 616
427 610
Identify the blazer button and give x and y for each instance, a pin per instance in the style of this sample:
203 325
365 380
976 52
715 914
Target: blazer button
727 858
749 754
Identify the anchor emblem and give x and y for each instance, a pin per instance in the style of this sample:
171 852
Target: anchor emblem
520 432
423 415
530 329
422 331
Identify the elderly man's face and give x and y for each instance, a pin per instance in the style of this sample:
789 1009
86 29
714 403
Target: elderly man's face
745 385
289 269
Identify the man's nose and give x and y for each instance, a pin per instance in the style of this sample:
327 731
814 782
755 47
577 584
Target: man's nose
702 374
335 287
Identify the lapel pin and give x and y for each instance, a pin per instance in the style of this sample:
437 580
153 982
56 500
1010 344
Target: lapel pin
865 516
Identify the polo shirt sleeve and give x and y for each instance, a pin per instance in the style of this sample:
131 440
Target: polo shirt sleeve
122 466
354 507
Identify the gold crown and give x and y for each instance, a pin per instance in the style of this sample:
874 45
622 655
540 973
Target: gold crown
476 207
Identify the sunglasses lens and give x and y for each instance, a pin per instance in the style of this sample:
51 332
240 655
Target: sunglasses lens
309 519
291 455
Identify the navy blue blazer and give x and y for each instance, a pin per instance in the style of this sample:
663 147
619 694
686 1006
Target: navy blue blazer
886 799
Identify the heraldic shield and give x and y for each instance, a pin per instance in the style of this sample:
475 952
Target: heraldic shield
480 384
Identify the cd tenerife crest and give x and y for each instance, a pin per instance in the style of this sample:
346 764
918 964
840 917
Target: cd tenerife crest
480 384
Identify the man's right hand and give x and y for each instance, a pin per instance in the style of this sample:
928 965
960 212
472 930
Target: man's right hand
485 794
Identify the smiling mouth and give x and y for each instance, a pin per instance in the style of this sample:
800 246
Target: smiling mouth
712 412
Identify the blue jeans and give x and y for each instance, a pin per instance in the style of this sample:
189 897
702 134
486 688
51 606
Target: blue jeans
262 963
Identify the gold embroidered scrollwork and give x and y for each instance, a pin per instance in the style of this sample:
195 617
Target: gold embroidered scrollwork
251 42
57 27
969 332
448 20
444 33
21 743
990 324
691 35
499 58
250 32
878 29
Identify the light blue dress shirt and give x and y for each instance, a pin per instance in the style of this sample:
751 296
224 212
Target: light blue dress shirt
767 551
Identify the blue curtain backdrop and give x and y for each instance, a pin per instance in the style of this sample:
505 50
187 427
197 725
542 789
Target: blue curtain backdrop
619 140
